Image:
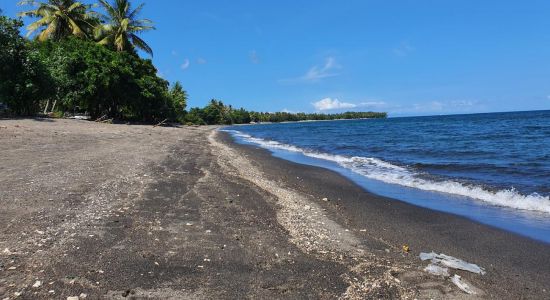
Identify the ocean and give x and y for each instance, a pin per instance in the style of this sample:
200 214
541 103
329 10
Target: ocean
492 168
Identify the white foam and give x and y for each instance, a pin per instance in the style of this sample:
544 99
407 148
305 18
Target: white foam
377 169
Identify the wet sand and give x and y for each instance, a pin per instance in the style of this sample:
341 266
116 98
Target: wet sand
117 211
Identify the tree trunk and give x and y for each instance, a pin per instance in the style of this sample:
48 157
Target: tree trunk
54 103
47 105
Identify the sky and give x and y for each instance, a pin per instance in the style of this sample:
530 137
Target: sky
405 57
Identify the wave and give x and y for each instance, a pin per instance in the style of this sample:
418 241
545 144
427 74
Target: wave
378 169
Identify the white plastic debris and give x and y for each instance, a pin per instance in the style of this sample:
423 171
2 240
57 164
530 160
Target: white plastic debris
462 285
37 284
437 270
451 262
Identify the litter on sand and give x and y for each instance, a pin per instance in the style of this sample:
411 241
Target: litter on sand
451 262
457 280
437 270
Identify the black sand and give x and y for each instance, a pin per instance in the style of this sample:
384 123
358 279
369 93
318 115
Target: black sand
114 211
517 267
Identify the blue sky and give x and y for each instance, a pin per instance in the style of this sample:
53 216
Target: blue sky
416 57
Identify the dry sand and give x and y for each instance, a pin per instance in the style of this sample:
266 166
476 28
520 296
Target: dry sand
117 211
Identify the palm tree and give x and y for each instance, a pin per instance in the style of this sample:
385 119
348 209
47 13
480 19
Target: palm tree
59 19
122 27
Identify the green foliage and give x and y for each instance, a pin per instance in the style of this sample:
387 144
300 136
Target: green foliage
64 67
93 78
23 79
59 19
118 28
294 117
121 27
194 116
178 101
216 113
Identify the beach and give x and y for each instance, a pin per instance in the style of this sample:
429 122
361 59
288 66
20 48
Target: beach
96 210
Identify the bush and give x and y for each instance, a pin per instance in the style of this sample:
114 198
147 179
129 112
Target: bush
24 81
104 82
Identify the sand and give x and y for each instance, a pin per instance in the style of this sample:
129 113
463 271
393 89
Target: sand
130 211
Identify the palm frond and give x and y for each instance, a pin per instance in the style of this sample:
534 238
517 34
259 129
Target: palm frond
123 26
136 11
27 2
141 44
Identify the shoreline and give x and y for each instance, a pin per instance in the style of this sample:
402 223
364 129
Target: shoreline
516 265
482 205
117 211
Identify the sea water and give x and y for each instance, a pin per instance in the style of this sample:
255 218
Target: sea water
492 168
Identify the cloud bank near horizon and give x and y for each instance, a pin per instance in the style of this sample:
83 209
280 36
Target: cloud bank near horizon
335 104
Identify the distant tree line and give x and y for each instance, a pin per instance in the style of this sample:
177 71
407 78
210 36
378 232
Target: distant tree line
218 113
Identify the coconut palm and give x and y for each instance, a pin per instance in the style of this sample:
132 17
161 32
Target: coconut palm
58 19
121 27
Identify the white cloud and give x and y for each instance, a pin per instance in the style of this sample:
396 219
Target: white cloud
436 107
318 72
254 57
201 61
331 104
335 104
403 49
186 64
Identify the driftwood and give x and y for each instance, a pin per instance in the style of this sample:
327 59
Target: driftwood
101 119
110 121
161 123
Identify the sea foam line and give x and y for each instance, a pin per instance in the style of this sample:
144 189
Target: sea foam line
377 169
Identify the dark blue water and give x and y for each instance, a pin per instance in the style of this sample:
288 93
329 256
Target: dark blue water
493 168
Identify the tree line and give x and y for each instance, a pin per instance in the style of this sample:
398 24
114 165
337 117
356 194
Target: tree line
79 60
216 112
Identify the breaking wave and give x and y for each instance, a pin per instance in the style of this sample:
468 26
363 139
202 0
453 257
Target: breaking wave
377 169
